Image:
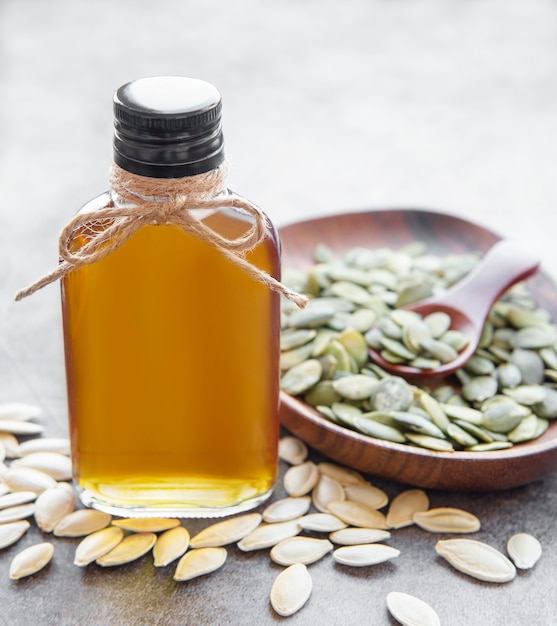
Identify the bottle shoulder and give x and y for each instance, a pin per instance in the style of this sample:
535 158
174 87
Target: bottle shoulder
227 221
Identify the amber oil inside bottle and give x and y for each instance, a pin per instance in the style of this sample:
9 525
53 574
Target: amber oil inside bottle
172 373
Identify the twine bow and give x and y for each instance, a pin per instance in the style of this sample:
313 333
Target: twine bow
141 201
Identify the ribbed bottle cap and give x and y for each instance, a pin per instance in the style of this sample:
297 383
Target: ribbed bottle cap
168 127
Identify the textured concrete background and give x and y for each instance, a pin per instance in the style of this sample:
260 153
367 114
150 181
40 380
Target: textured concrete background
328 106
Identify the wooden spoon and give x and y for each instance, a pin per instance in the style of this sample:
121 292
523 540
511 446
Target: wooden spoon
468 304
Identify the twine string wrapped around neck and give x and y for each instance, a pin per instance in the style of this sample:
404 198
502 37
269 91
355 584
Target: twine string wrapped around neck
140 201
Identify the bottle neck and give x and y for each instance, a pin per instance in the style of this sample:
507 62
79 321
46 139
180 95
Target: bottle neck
127 187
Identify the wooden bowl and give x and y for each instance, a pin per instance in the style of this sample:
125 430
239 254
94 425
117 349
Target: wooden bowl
467 471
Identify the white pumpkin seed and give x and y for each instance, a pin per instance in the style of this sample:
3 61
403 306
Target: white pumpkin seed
524 549
52 505
129 549
11 445
300 550
146 524
16 427
18 411
27 479
61 445
321 522
97 544
357 536
364 555
367 494
447 520
31 560
326 491
56 465
16 498
200 562
292 450
82 522
299 480
286 509
343 475
226 532
170 546
12 532
358 514
411 611
476 559
16 513
268 535
291 590
404 506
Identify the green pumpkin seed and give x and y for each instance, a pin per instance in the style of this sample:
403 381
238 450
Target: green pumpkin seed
502 417
479 388
378 430
480 366
525 429
547 408
438 323
290 358
397 348
355 344
490 447
508 375
527 394
294 338
311 316
392 394
346 413
429 442
418 424
461 436
534 337
434 410
301 377
530 364
356 387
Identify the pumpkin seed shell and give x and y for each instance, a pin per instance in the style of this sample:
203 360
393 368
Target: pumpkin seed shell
364 555
97 544
146 524
129 549
476 559
404 506
411 611
447 520
300 550
357 536
31 560
200 562
524 549
227 531
12 532
170 546
291 590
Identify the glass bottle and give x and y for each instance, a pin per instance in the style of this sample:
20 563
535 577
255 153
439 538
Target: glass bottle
171 349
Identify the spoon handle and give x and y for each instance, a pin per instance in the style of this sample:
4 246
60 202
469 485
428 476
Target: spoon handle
505 264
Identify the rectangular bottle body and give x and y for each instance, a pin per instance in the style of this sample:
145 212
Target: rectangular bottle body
172 374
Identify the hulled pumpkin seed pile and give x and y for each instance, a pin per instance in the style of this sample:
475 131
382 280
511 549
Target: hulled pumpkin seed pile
506 393
329 510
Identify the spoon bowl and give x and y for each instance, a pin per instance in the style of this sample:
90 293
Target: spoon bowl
468 304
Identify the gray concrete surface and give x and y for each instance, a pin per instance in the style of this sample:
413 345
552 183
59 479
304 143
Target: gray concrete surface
329 106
